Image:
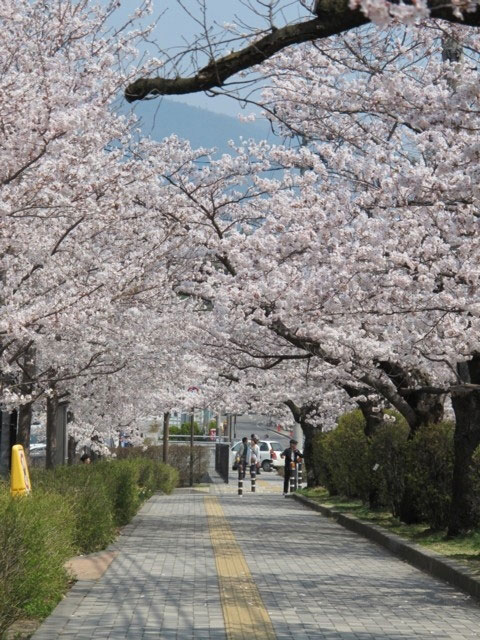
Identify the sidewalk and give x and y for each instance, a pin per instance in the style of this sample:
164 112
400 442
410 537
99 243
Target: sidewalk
206 564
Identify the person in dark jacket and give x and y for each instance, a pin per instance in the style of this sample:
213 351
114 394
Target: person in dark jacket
243 455
291 454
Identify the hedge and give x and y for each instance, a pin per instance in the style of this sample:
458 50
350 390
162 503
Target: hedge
429 472
178 458
389 466
72 510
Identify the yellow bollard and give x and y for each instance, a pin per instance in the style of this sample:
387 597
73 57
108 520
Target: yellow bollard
19 476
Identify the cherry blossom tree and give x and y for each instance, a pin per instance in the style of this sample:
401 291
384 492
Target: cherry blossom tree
83 257
360 255
283 278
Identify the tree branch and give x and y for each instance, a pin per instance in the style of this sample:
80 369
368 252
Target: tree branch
333 18
337 19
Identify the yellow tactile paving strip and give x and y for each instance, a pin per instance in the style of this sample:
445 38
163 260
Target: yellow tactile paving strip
272 488
243 610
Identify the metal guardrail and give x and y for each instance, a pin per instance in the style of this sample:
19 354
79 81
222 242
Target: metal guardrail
198 439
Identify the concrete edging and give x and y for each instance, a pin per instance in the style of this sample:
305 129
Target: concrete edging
437 565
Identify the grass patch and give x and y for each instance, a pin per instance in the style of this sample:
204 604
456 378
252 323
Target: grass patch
465 548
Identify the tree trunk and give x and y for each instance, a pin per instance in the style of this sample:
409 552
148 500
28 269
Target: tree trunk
428 408
52 410
71 449
300 416
466 405
25 411
421 407
309 432
466 440
24 425
166 433
4 442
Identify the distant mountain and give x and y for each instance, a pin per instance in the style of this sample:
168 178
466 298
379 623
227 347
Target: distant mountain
203 128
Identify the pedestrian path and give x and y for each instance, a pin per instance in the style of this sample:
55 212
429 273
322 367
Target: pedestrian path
245 615
205 564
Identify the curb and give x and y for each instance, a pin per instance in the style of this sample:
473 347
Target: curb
429 561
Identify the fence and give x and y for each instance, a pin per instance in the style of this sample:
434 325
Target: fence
185 438
222 460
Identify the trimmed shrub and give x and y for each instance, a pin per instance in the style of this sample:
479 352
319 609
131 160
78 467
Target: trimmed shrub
36 537
87 492
388 450
105 495
347 462
146 477
321 469
166 478
430 469
185 429
475 478
121 479
178 458
347 456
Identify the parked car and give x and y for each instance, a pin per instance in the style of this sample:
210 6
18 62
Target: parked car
38 450
270 451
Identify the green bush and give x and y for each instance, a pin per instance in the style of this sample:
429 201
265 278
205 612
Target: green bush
105 495
36 537
185 429
178 458
388 450
154 475
146 478
475 479
95 524
84 487
321 470
430 469
410 477
349 463
166 478
346 455
121 479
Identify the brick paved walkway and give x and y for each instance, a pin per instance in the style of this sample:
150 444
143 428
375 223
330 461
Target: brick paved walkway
317 581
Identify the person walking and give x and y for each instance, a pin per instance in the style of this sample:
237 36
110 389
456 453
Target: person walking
291 454
253 454
242 455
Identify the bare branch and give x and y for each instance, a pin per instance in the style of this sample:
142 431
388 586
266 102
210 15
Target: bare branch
217 72
333 18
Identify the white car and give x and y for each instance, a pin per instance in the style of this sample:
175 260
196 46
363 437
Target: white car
38 450
270 451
